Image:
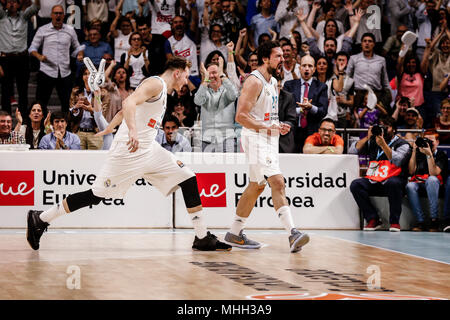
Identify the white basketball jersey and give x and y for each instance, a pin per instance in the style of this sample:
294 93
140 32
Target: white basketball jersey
266 106
149 117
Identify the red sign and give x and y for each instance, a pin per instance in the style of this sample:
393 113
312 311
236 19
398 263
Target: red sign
212 188
266 116
16 188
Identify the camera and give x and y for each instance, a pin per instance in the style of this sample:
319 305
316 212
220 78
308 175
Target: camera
377 130
423 142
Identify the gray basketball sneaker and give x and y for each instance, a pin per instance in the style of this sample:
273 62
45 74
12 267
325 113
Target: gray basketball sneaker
241 241
297 240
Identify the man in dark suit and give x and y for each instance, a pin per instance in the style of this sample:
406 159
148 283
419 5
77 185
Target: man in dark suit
286 114
312 101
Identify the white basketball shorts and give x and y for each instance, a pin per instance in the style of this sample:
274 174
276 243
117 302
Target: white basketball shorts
153 163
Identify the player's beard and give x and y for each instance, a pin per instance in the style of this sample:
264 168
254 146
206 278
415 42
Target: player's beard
275 71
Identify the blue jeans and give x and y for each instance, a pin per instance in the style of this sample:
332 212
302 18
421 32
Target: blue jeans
447 200
432 188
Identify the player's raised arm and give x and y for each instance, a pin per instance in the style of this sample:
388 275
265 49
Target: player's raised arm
150 88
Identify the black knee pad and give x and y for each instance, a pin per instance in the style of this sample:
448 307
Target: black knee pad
191 195
82 199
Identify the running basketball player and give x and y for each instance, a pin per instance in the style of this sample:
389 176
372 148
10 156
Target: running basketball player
135 154
257 112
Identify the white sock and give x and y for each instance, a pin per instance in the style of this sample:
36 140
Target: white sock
284 213
53 213
198 221
238 224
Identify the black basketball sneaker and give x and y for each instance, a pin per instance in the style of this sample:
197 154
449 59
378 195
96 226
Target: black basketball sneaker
210 243
36 227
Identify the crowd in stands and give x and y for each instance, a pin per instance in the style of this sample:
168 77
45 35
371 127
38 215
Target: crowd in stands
345 66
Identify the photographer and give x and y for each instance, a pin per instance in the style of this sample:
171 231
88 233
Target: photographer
428 167
386 175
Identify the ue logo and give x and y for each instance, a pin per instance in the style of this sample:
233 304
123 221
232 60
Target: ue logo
212 188
16 188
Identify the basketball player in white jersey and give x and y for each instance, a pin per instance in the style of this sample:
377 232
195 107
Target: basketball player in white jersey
257 112
135 154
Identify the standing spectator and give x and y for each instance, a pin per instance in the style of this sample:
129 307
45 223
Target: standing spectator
56 40
392 48
411 80
233 20
437 62
288 115
368 68
136 60
343 90
213 42
366 27
170 139
286 13
13 52
162 14
132 8
100 120
312 101
81 117
386 175
426 14
216 97
60 138
7 135
325 141
428 168
442 122
291 69
96 9
45 12
262 22
182 45
156 45
118 89
122 35
34 126
369 117
401 14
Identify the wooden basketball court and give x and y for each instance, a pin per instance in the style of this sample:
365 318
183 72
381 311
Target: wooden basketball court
160 264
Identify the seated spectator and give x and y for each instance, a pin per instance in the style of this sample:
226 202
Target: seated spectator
326 141
94 48
369 117
7 135
60 138
428 168
442 122
136 60
216 97
412 121
35 125
81 116
170 139
182 106
386 176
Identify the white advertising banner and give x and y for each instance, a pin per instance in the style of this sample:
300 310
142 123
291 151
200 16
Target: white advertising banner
317 188
39 179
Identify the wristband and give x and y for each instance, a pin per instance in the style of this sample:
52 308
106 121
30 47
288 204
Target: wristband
429 157
331 149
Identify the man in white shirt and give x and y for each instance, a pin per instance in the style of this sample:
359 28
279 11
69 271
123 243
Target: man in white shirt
56 40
